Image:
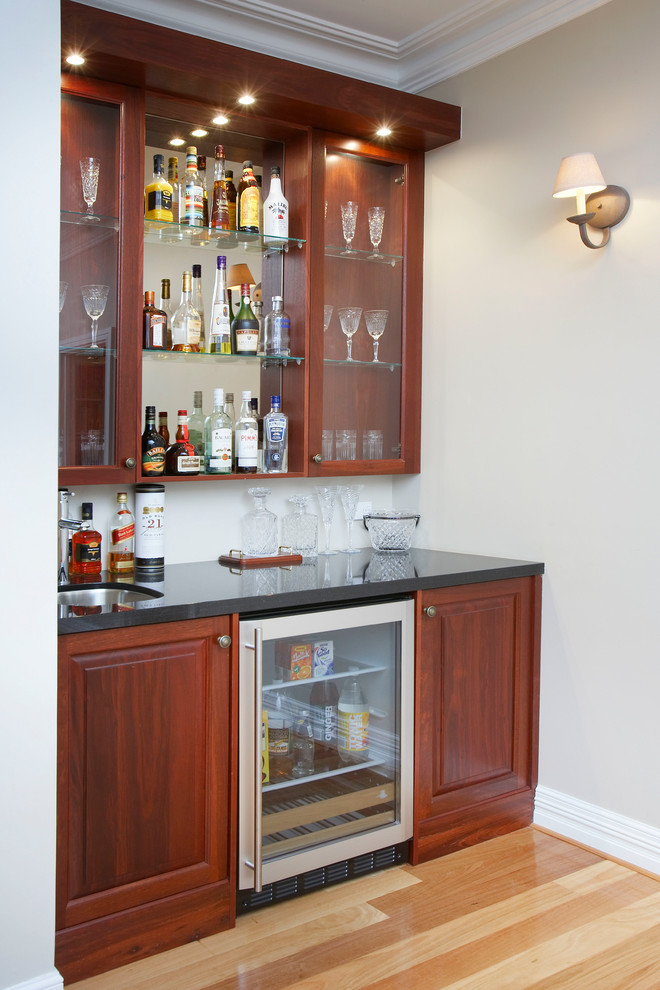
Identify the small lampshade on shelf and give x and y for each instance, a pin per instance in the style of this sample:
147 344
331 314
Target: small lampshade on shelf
240 275
598 204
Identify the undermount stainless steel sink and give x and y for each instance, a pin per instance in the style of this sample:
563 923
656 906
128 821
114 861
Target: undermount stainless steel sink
104 595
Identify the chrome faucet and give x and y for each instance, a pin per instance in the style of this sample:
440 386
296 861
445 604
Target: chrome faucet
64 525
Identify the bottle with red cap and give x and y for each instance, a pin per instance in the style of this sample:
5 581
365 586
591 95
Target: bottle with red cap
181 457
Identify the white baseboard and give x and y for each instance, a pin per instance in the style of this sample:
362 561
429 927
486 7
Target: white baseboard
602 830
46 981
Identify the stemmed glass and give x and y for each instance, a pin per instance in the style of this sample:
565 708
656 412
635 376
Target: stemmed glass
350 495
327 496
349 212
376 320
376 216
327 316
350 320
94 298
63 287
89 173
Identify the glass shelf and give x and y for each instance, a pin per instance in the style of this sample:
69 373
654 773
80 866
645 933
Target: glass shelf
249 359
162 232
354 255
389 365
87 351
82 220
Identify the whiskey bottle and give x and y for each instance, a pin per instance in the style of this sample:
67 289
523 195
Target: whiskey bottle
186 323
276 438
220 323
219 203
153 446
248 200
218 437
181 457
162 428
86 545
165 306
154 325
201 171
158 194
246 438
197 300
232 196
196 428
245 327
276 210
191 210
173 179
122 538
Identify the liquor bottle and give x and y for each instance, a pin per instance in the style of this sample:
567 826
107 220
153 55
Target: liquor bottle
173 179
186 323
246 438
191 210
229 408
276 210
232 196
254 406
219 204
218 430
258 308
154 325
122 538
323 700
153 446
277 329
158 194
303 746
197 300
201 171
248 199
352 723
245 328
181 457
86 545
162 428
165 306
196 428
276 438
220 324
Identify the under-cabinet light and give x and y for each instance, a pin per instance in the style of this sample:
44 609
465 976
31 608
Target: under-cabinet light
199 132
246 99
220 120
383 132
177 142
75 59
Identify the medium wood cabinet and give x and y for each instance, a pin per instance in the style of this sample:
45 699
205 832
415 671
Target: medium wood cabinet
476 713
146 807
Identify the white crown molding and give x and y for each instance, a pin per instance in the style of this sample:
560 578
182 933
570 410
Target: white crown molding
600 829
468 36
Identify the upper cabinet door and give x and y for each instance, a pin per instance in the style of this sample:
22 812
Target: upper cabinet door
366 311
100 272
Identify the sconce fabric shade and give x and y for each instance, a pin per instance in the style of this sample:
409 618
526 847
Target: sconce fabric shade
240 275
576 172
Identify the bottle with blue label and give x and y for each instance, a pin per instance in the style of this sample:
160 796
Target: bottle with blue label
276 438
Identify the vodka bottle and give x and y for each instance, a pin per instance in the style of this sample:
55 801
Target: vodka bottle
219 339
277 329
186 324
197 300
276 210
246 436
218 437
276 438
191 210
196 427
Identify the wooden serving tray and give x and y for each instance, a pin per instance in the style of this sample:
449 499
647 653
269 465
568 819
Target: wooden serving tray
235 558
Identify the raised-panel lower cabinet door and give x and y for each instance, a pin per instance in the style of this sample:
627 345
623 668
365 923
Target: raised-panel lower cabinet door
476 713
145 807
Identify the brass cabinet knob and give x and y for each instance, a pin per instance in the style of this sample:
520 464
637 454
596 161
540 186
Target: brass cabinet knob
430 610
224 641
130 462
317 459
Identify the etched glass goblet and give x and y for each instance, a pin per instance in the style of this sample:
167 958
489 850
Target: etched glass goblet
376 320
327 316
350 496
327 496
94 299
376 215
89 173
350 320
349 212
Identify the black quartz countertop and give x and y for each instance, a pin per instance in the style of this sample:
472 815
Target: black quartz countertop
197 590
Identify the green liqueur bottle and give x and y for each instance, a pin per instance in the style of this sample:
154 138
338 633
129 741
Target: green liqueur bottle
245 326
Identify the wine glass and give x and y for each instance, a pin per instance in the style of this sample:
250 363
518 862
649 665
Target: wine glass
94 299
376 215
327 495
89 173
350 496
350 320
376 320
327 316
63 287
349 212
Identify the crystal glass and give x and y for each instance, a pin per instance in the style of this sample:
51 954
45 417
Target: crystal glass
259 527
94 298
327 316
376 215
349 212
372 445
300 528
376 320
350 320
89 173
346 445
350 496
327 496
63 287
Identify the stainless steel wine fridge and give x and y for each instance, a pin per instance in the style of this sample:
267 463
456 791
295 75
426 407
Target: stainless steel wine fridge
325 758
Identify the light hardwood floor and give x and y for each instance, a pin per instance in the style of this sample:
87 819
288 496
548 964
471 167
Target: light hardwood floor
526 910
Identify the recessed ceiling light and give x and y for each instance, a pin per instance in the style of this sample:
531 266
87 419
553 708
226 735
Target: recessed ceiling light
177 142
199 132
75 59
383 132
220 120
246 99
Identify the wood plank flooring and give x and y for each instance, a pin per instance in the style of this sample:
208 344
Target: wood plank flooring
526 911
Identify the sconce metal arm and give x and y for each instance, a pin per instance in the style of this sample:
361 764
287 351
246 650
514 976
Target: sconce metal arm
582 219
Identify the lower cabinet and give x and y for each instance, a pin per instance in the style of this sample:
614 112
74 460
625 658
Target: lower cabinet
476 716
146 806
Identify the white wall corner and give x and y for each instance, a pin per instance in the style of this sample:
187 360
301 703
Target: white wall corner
46 981
602 830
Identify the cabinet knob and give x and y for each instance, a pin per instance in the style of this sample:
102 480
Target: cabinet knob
224 641
130 462
430 610
317 459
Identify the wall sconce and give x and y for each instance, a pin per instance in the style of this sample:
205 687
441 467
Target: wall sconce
598 205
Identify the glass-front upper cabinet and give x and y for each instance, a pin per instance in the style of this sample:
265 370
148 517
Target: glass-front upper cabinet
98 233
366 312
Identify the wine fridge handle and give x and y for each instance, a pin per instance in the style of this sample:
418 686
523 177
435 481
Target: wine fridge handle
258 708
